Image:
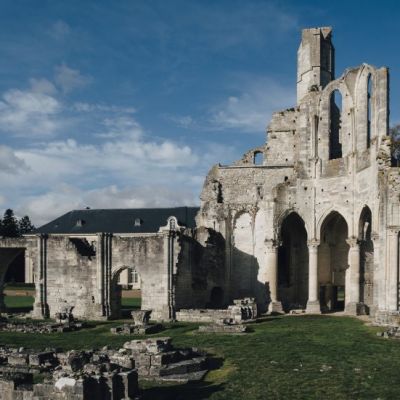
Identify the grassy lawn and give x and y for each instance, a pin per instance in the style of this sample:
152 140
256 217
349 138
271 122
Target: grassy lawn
131 303
19 303
300 357
25 303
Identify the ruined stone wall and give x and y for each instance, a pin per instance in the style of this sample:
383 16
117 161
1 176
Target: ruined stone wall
200 278
147 255
302 174
71 276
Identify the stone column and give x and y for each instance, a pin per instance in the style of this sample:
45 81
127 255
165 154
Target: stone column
40 307
392 277
313 305
271 278
352 290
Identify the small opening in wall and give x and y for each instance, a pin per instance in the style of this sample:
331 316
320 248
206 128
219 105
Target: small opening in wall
322 190
258 158
138 222
286 179
305 188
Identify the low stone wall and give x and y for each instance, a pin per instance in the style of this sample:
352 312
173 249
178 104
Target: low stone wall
241 310
387 318
40 327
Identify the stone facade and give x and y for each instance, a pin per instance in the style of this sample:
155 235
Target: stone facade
314 225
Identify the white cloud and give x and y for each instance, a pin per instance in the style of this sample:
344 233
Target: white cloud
42 86
60 29
69 79
183 121
64 198
88 107
29 112
251 109
9 162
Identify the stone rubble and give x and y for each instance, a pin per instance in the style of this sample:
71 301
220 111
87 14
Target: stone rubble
241 310
40 327
95 374
140 326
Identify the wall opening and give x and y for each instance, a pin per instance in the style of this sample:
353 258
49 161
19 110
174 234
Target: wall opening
366 259
126 292
216 298
335 115
258 158
293 264
332 263
17 291
369 109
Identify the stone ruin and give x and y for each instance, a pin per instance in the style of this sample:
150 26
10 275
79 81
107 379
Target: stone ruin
230 320
157 359
39 327
65 322
141 325
95 374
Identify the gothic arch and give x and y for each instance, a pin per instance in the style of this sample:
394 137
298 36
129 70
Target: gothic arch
281 217
323 216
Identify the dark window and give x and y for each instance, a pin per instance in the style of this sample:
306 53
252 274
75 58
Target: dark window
335 145
369 111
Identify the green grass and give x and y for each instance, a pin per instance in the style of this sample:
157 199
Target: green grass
25 303
132 303
19 303
299 357
19 286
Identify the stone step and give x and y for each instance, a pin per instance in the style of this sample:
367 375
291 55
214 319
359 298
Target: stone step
183 367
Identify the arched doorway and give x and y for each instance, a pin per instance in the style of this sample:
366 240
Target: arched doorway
366 259
333 262
293 264
16 290
126 292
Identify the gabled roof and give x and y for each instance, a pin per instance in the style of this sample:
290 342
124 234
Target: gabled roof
136 220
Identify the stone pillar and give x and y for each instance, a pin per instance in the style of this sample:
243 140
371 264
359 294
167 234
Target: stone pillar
271 279
352 289
40 307
28 268
313 305
392 277
378 284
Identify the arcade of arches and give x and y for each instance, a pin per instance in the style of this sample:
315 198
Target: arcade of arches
334 273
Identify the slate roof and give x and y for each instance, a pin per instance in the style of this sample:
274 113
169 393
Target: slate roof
118 220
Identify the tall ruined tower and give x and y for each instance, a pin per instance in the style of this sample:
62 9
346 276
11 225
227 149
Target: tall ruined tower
315 60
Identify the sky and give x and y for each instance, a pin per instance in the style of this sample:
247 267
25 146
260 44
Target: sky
128 104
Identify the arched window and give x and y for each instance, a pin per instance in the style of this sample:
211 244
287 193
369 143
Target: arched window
369 110
258 158
335 145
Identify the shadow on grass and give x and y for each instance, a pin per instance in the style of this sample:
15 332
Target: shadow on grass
191 390
19 310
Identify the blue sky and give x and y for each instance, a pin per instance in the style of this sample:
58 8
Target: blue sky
129 103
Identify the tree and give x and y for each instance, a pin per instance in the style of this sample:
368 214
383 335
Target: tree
25 225
9 224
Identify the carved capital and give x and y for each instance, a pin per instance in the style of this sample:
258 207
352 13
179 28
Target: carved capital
353 241
313 243
271 244
374 236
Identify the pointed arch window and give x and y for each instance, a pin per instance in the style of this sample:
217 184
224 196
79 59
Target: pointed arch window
369 110
335 145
